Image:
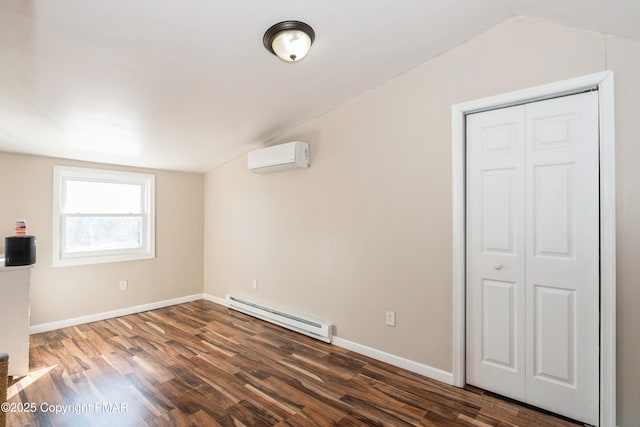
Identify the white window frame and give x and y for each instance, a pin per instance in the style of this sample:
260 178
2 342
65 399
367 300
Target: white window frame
147 183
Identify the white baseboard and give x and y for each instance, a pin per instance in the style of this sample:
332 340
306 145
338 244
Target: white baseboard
400 362
215 299
392 359
45 327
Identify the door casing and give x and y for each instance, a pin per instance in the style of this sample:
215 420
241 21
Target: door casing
604 83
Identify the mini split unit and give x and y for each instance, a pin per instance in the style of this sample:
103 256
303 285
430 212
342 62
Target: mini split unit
281 157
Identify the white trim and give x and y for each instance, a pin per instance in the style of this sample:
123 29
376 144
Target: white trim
213 298
459 261
607 254
400 362
51 326
536 93
392 359
604 83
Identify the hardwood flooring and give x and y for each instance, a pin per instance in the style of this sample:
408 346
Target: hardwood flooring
199 364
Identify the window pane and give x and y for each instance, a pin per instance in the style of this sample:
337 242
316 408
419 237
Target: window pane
102 197
102 233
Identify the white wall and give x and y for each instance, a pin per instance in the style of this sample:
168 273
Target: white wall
368 227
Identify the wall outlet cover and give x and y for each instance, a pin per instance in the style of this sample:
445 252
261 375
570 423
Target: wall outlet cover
391 318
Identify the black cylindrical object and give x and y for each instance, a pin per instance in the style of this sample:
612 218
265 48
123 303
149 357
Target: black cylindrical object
19 250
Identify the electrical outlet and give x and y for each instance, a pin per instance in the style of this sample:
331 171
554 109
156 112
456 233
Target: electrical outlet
123 285
391 318
254 284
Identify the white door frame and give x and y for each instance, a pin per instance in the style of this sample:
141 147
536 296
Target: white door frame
604 83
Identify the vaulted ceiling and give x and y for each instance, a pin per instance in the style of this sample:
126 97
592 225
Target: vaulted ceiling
188 85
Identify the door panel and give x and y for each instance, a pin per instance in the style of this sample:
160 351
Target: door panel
499 138
496 251
553 221
498 235
562 258
554 328
498 314
532 247
553 131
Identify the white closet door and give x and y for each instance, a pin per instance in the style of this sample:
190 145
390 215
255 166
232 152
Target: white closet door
533 254
496 251
562 278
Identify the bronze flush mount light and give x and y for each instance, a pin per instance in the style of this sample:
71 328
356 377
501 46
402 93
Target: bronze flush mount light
289 40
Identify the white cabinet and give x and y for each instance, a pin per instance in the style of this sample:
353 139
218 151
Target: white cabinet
15 294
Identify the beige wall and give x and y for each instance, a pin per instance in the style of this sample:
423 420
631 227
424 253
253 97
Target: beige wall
623 56
26 191
368 227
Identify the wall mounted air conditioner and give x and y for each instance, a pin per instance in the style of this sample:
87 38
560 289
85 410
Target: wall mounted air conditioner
279 157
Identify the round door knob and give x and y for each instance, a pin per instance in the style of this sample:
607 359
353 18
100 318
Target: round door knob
497 266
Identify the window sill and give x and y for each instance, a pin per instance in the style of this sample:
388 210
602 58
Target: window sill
101 259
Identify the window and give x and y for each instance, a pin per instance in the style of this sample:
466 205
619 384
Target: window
102 216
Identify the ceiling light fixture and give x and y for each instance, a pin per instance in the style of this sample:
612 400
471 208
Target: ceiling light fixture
289 40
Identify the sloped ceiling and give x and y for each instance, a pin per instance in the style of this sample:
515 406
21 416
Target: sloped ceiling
188 85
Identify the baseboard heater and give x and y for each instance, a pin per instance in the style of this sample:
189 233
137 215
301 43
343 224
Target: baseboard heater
304 325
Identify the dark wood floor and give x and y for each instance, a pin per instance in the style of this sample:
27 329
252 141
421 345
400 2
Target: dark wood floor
199 364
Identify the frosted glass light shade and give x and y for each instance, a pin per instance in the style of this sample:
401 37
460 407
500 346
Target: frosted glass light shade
289 40
292 45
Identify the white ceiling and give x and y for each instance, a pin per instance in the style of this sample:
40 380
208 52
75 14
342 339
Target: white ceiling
187 85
